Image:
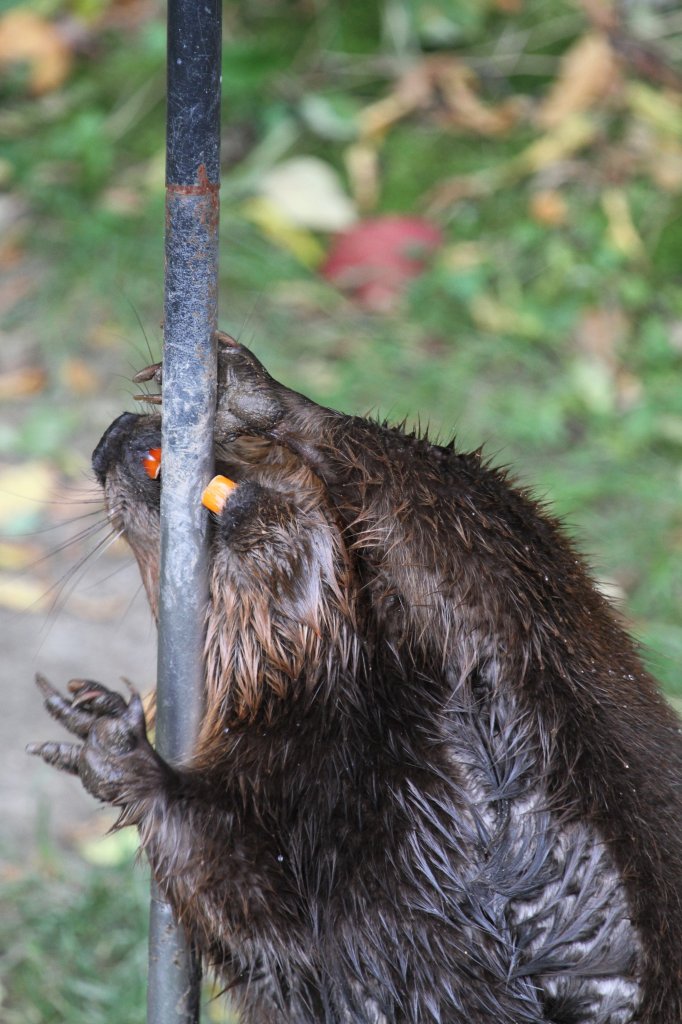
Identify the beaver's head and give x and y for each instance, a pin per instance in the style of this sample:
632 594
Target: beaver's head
281 618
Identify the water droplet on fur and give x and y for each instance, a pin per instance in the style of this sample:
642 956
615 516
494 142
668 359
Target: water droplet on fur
280 857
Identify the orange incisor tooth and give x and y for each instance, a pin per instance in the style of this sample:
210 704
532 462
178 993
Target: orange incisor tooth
152 463
217 493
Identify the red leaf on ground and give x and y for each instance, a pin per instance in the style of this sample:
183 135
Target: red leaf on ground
375 259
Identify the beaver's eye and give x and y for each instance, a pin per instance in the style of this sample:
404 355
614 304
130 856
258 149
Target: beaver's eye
152 463
217 493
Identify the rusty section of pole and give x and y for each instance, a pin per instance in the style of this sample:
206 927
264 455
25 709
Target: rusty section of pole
189 395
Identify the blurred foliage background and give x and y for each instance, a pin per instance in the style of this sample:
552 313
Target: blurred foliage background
527 294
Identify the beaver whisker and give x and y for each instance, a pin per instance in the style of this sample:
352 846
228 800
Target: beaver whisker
76 538
64 587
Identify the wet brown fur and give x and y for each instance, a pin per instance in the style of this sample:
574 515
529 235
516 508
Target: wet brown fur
434 782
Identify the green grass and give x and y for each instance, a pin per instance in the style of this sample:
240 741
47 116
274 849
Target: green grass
73 944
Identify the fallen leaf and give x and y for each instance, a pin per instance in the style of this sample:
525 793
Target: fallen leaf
656 107
447 85
457 84
12 252
665 167
28 380
600 333
23 595
103 335
329 119
110 849
79 377
27 38
378 117
629 390
362 167
463 256
572 135
308 193
122 200
14 289
611 589
375 260
280 230
594 382
621 231
24 491
489 314
603 381
547 206
588 73
18 556
670 428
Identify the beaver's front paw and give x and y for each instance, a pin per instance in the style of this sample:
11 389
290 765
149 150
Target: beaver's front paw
250 401
115 762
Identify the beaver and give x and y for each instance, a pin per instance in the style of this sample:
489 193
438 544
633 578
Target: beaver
434 782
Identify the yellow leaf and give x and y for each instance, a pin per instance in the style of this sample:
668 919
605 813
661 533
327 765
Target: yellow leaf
362 166
22 595
571 135
489 314
457 85
111 849
462 256
587 74
18 556
665 166
23 488
26 38
309 194
302 244
621 231
375 120
660 109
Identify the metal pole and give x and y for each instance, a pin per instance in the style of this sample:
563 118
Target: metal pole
189 396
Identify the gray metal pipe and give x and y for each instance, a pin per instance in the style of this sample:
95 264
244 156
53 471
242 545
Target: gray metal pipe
189 398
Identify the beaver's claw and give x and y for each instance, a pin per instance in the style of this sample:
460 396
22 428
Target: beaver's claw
115 754
250 401
150 373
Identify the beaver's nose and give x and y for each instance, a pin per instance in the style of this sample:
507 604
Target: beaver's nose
112 441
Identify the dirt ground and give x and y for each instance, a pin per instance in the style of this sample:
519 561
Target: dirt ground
116 639
90 621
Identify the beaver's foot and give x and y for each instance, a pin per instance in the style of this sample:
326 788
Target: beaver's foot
116 763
